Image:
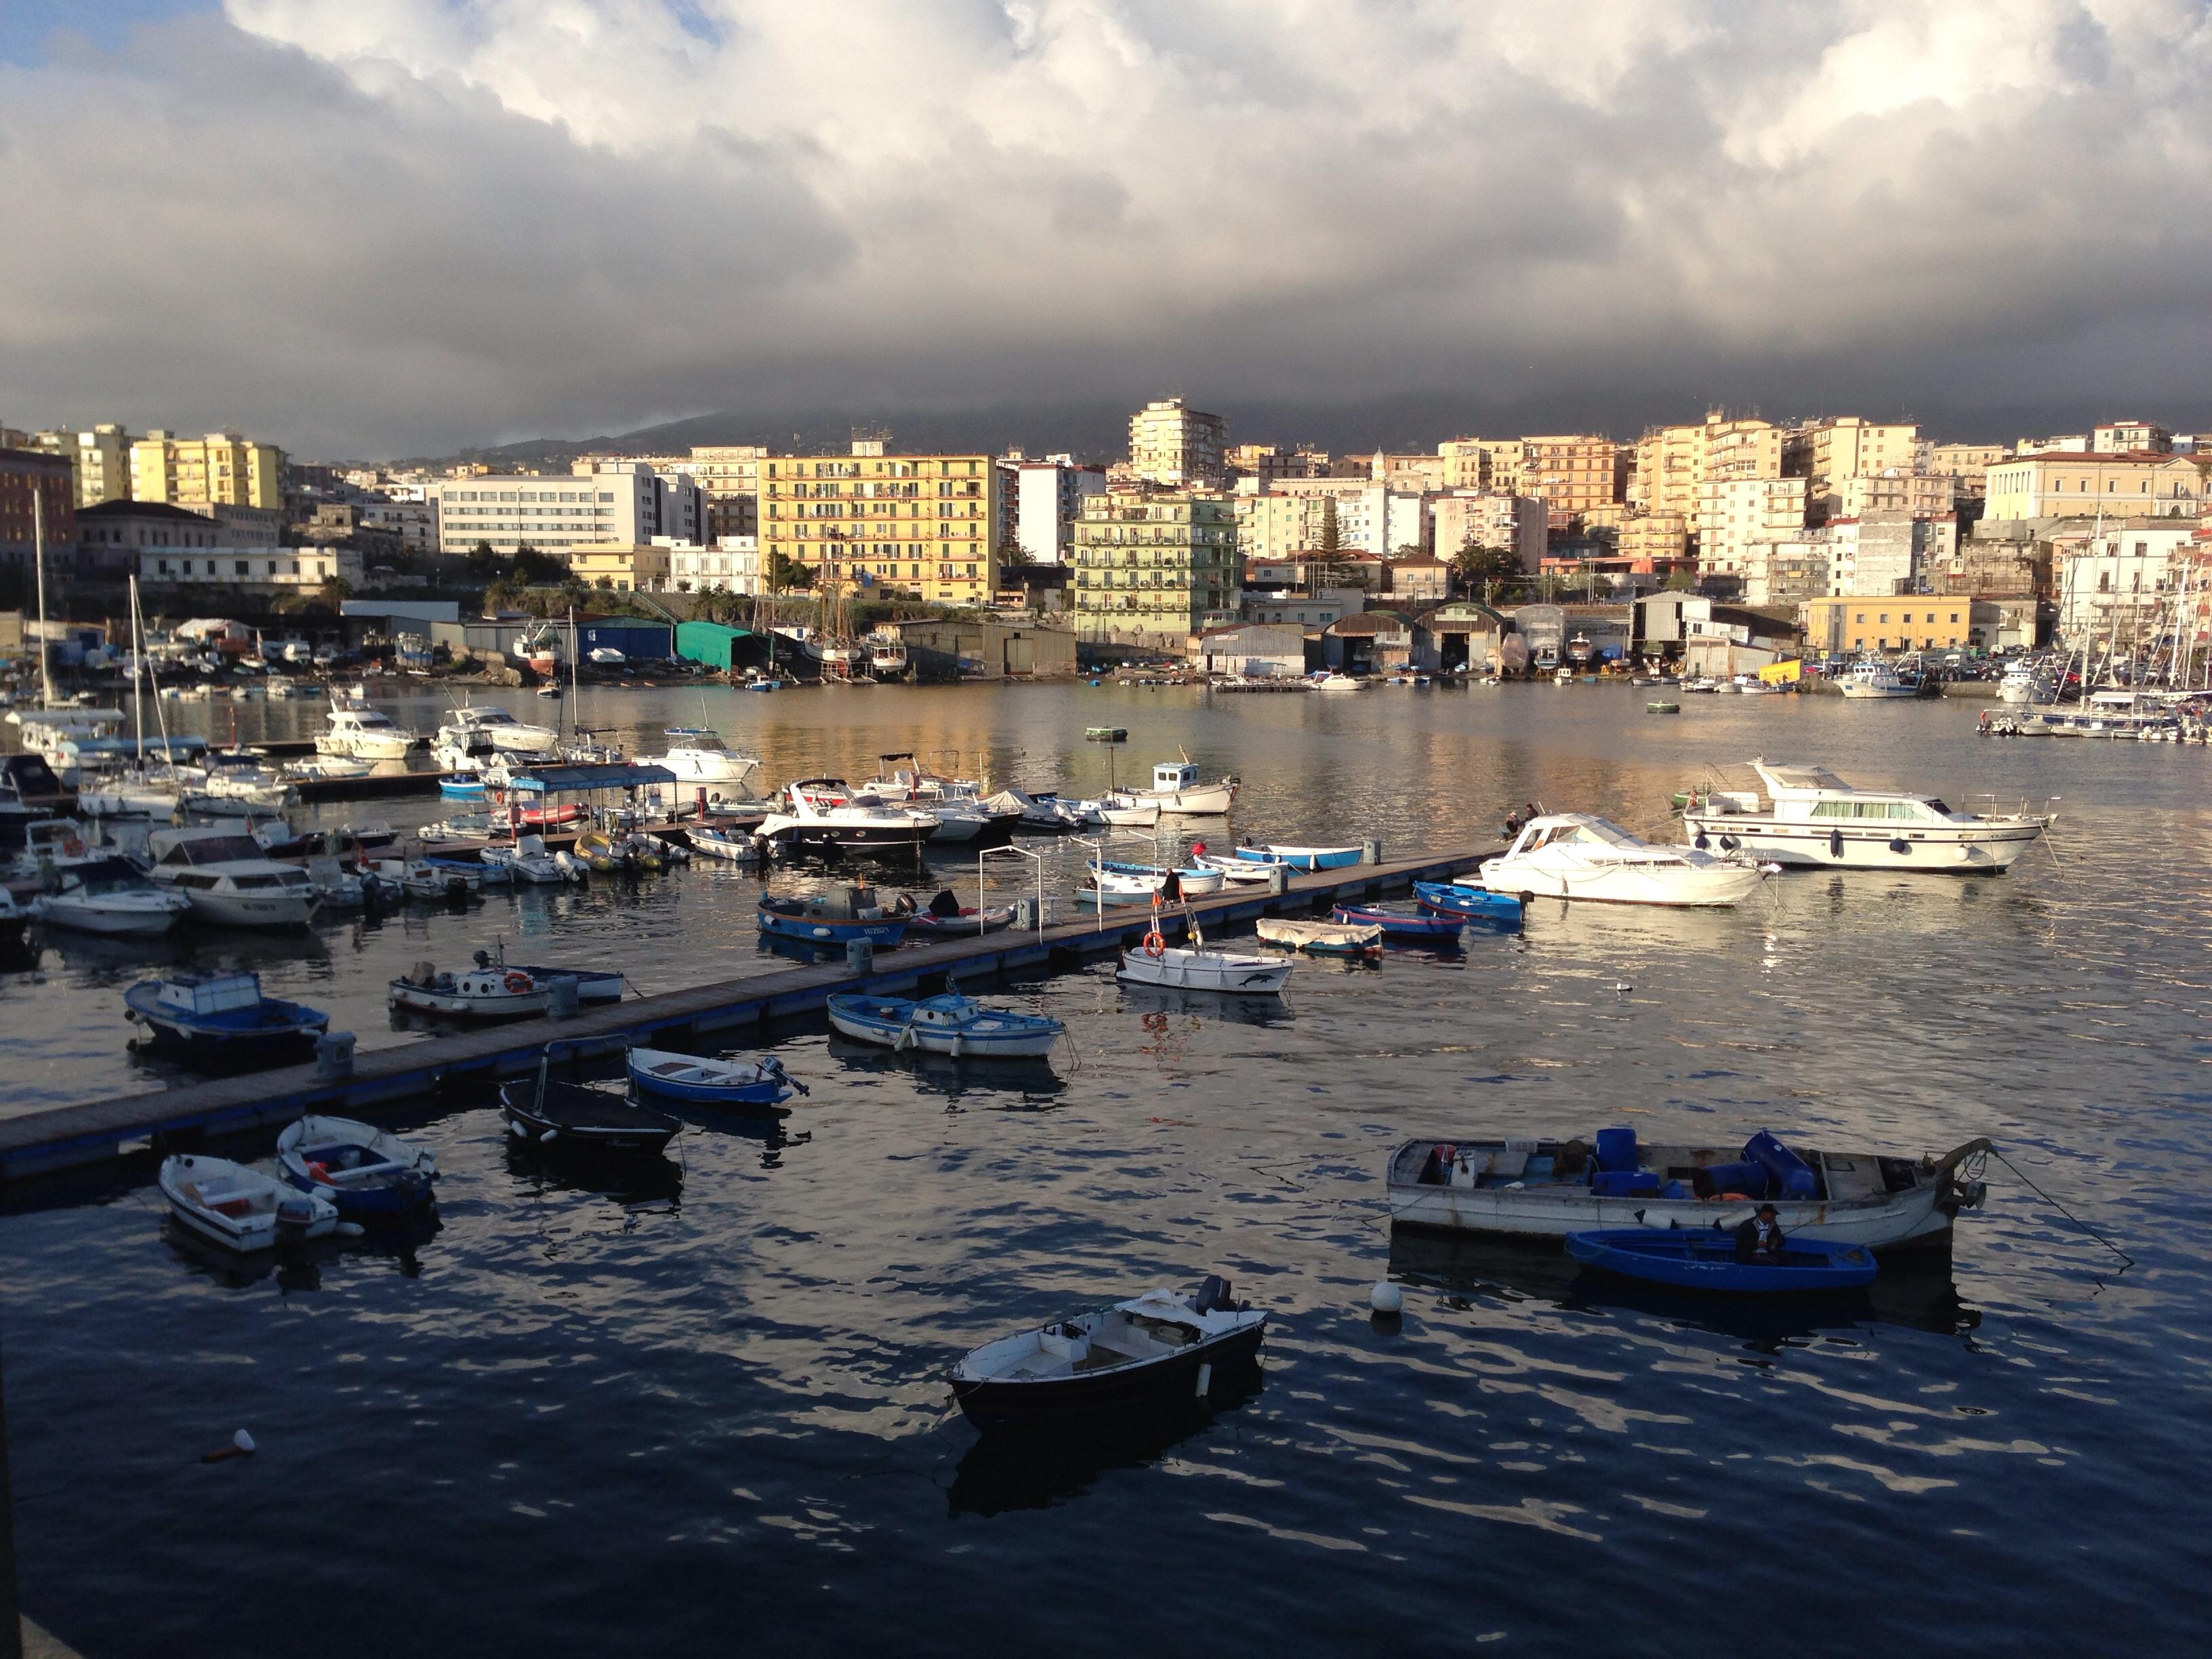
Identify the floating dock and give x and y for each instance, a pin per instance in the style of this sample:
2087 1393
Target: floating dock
65 1137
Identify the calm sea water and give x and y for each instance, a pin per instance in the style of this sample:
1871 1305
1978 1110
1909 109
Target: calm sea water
712 1413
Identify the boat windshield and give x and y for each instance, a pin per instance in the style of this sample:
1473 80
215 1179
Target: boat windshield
216 849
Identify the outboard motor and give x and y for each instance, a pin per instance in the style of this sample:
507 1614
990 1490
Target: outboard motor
1213 1296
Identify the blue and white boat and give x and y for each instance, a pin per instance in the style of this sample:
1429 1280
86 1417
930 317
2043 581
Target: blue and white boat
698 1081
1472 905
362 1169
834 918
949 1025
222 1016
1396 925
1705 1259
1298 858
462 786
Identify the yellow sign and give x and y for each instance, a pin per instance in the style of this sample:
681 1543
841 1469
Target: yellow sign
1781 673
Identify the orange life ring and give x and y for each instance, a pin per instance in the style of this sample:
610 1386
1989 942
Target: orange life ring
517 980
1155 945
73 847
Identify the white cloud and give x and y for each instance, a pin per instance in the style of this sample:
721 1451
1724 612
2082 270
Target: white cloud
413 223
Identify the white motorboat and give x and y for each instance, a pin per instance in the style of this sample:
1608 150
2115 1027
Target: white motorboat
527 860
1809 817
887 656
487 991
230 881
717 842
696 755
1875 679
490 724
1201 967
1339 682
111 897
2023 685
325 769
239 1208
1123 813
444 880
826 813
605 656
1547 1187
357 731
1237 873
1176 789
1577 855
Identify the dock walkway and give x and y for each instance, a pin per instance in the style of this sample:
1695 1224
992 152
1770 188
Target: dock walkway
67 1136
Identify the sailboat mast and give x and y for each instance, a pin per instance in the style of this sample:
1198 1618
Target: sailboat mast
38 559
138 675
161 718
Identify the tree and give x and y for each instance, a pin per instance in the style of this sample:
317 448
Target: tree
1331 537
785 573
1480 568
335 590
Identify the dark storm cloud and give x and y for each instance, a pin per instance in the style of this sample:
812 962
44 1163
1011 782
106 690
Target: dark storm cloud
404 225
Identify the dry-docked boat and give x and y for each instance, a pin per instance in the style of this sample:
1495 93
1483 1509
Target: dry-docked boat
1549 1186
239 1208
1808 816
1574 855
1150 1352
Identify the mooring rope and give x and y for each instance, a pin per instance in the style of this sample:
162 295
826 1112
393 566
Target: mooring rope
2061 1208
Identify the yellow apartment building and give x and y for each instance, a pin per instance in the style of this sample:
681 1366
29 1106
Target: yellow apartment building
1739 449
1670 464
906 524
2079 484
1572 473
102 457
1828 451
620 566
222 468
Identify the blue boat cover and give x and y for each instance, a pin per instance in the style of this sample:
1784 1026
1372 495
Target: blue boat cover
574 780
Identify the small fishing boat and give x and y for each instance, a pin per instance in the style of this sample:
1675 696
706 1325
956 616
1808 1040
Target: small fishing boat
1322 938
1136 884
949 1025
222 1016
1334 682
479 871
593 984
1153 1351
1177 788
479 993
1398 928
1693 1259
1552 1186
836 917
1234 872
1298 858
737 846
1199 967
1472 905
362 1169
947 918
1662 707
699 1081
239 1208
462 786
419 879
1111 887
527 860
570 1119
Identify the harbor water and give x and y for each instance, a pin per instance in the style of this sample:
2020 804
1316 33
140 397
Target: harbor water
710 1412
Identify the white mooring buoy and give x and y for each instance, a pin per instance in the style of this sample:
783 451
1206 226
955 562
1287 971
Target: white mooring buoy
1387 1299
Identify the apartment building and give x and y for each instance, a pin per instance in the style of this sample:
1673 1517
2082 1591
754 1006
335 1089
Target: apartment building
1519 524
101 457
1846 445
1179 448
599 502
1921 494
1737 449
1669 466
251 570
1735 515
1154 566
221 467
624 568
1281 526
38 496
913 524
2081 484
2069 443
1267 462
1655 542
1047 499
730 474
2123 437
1486 465
1372 519
1966 465
1571 473
2113 583
731 564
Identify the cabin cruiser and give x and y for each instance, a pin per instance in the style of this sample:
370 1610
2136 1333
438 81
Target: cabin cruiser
491 725
696 755
110 896
230 880
887 656
827 814
2023 683
1808 816
1549 1186
236 777
1176 789
963 818
1576 855
358 731
1875 678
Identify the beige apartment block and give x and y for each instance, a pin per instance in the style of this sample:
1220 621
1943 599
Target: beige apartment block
1969 464
914 524
221 467
624 569
102 458
1153 565
2121 437
1572 473
1749 448
1489 464
2079 484
1177 446
1650 539
1846 446
1518 524
1922 495
1736 515
1267 462
1670 464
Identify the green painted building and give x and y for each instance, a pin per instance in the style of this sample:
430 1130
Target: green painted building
1152 566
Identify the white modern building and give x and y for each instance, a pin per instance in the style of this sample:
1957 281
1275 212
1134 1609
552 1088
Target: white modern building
1047 500
1736 515
602 501
281 569
1178 446
1291 515
731 564
2112 583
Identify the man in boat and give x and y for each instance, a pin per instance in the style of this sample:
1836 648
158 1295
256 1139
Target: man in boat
1760 1238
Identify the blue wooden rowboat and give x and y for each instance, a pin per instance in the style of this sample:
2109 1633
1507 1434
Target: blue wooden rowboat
705 1082
817 923
462 786
1408 930
1470 904
1300 857
362 1169
1696 1260
222 1016
949 1025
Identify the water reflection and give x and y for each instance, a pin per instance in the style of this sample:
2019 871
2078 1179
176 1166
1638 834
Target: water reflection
1224 1007
1032 1080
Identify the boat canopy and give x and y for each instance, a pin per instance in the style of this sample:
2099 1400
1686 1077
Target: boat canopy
574 779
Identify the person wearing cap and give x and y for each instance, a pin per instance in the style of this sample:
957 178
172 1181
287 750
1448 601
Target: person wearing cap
1760 1238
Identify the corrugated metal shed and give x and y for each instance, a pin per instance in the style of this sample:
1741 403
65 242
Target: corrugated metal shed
711 643
641 641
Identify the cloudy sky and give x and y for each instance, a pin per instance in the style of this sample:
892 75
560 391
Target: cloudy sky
377 226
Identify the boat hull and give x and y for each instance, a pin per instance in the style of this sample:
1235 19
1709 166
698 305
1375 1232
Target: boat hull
1179 970
822 931
1172 1380
860 1018
1707 1262
1827 847
1410 930
1625 884
284 911
1474 906
92 917
612 1129
769 1091
1302 858
415 999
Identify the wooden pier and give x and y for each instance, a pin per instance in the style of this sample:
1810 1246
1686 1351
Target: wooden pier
68 1136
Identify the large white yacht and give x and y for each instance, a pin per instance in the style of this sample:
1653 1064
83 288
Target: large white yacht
230 881
1575 855
827 813
1808 816
360 733
697 755
470 725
